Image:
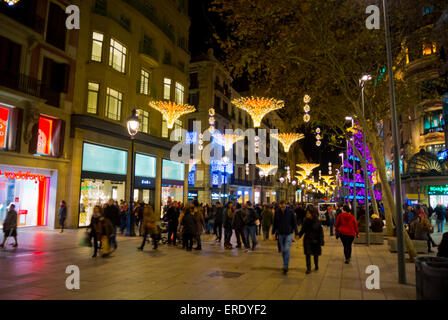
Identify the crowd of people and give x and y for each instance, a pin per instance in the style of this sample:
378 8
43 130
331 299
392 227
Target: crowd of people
280 221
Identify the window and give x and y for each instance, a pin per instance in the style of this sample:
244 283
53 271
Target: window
167 88
48 137
144 120
433 122
5 114
56 29
144 82
217 103
193 99
177 125
114 100
194 83
92 97
429 48
179 93
97 47
117 56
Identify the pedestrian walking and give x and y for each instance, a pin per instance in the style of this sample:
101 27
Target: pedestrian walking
422 231
218 221
266 221
62 215
10 226
313 239
442 250
228 219
139 216
101 230
250 218
238 226
285 224
188 225
112 213
200 226
440 212
172 216
331 219
347 230
151 222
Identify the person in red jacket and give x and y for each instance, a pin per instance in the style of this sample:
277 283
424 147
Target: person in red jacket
347 230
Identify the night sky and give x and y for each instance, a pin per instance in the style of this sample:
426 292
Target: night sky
203 25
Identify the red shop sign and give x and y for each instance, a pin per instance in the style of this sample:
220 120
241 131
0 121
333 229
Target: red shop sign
24 176
23 211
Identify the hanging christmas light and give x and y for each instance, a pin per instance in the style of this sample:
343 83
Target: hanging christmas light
171 111
306 108
288 173
11 2
227 140
201 142
308 167
266 168
318 137
258 107
211 119
247 169
257 144
330 169
287 139
327 179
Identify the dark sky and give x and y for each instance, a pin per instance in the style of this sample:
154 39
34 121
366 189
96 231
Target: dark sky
203 25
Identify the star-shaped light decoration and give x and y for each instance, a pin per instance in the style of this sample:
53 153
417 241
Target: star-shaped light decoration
266 168
11 2
308 167
171 111
258 107
287 139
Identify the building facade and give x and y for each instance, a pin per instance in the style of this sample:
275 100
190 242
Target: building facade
37 80
130 52
423 127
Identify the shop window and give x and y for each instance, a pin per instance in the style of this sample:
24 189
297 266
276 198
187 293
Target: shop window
114 100
48 137
92 97
179 93
167 88
144 82
144 120
117 56
10 122
433 122
97 47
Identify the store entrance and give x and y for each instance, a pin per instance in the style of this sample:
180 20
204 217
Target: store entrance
29 193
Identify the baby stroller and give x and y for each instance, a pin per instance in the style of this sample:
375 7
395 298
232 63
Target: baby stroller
163 232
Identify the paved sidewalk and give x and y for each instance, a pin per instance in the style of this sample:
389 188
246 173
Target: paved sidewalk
36 270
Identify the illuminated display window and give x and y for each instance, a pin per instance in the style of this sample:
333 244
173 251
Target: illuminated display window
4 125
44 145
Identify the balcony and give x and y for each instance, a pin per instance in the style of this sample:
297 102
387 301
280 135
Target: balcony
263 182
149 51
31 86
239 182
24 16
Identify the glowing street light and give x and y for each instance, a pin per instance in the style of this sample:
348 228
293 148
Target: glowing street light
258 107
171 111
287 139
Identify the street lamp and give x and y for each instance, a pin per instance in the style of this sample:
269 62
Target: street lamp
397 184
348 118
362 82
133 124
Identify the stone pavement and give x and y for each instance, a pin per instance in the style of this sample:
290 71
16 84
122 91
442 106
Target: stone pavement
36 270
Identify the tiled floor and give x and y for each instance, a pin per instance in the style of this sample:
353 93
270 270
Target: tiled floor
36 270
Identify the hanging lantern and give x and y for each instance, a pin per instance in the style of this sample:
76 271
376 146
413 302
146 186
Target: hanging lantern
306 108
287 139
258 107
171 111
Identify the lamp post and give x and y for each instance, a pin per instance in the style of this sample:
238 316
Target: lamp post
133 124
261 173
398 200
354 169
362 82
225 162
294 182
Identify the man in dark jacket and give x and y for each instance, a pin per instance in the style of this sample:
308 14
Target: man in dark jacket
238 226
139 214
218 221
440 213
172 216
250 216
188 229
285 224
112 213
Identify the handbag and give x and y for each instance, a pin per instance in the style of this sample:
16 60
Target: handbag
257 222
105 245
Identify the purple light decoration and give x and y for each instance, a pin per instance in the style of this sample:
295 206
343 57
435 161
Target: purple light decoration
359 177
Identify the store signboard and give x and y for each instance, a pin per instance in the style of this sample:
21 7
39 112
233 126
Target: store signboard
442 155
145 166
172 170
438 190
4 119
192 195
102 159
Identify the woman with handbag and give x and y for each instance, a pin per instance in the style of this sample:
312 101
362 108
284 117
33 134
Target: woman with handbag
314 238
10 226
347 230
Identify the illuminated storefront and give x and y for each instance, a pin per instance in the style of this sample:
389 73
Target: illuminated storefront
28 189
173 174
438 194
103 177
145 178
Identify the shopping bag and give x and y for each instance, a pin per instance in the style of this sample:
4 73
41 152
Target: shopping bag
105 245
85 240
